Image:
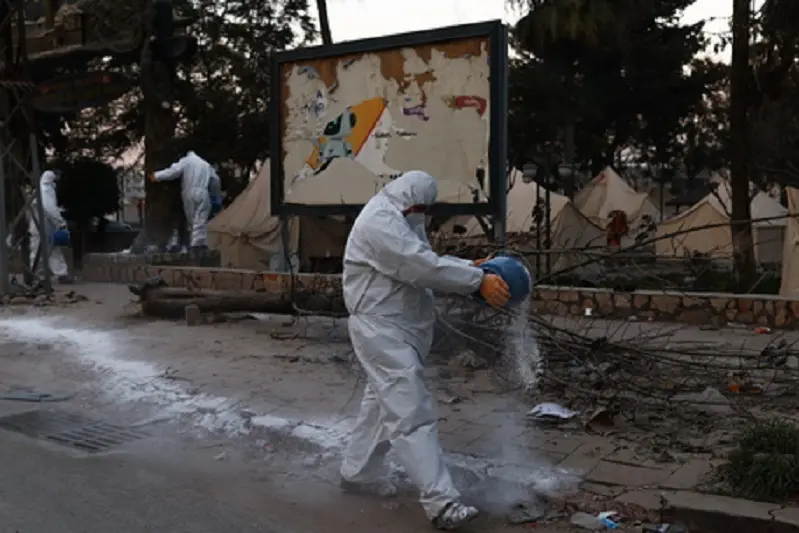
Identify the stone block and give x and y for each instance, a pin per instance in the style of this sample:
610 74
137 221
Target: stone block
719 304
691 301
665 303
622 301
273 282
604 302
139 274
781 318
745 317
641 301
548 295
193 315
569 296
197 278
247 281
744 304
227 280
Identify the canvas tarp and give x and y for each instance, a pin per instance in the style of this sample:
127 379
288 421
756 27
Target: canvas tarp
571 231
248 237
790 260
704 228
608 192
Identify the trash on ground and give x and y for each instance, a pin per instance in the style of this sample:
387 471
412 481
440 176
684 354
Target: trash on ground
587 521
550 411
762 330
607 519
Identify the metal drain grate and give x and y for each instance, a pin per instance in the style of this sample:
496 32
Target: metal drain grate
71 430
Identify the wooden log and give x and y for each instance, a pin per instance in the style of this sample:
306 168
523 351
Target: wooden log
171 302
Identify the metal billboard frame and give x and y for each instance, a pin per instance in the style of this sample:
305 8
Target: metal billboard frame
496 33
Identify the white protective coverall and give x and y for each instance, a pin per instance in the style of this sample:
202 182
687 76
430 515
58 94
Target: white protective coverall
198 182
53 220
390 273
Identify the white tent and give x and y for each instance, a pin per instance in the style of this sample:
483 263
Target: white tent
249 237
608 192
790 257
706 227
571 231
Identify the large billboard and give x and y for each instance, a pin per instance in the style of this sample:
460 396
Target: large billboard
347 119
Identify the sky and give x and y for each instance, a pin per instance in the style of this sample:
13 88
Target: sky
358 19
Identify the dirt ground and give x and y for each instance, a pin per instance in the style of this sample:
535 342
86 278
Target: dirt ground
269 400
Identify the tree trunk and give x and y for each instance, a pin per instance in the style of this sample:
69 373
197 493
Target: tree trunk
161 216
741 226
324 22
171 302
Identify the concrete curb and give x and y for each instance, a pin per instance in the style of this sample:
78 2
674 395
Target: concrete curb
710 513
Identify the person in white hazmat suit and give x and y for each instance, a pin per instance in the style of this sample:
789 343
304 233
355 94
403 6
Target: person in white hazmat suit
53 220
390 273
198 183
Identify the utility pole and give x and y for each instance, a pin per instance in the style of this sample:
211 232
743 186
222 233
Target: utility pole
324 22
740 73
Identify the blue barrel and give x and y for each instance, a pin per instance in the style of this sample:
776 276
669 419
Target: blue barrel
61 238
515 274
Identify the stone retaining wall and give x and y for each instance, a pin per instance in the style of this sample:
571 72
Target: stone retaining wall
684 307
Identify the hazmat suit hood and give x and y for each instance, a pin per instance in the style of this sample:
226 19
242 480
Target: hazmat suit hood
412 188
48 178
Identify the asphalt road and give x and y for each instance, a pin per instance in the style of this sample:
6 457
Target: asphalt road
50 491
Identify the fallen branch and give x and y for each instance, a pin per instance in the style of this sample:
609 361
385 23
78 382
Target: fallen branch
159 300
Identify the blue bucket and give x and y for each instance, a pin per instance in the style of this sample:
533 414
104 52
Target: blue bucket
61 238
515 274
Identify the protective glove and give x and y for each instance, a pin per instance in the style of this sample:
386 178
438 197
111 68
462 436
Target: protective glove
478 262
151 177
494 290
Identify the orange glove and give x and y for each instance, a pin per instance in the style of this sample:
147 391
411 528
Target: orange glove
494 290
152 176
478 262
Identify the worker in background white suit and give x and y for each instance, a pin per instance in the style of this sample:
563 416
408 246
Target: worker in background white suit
390 273
198 183
53 220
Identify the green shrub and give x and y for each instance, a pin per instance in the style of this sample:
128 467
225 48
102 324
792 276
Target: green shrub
765 464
